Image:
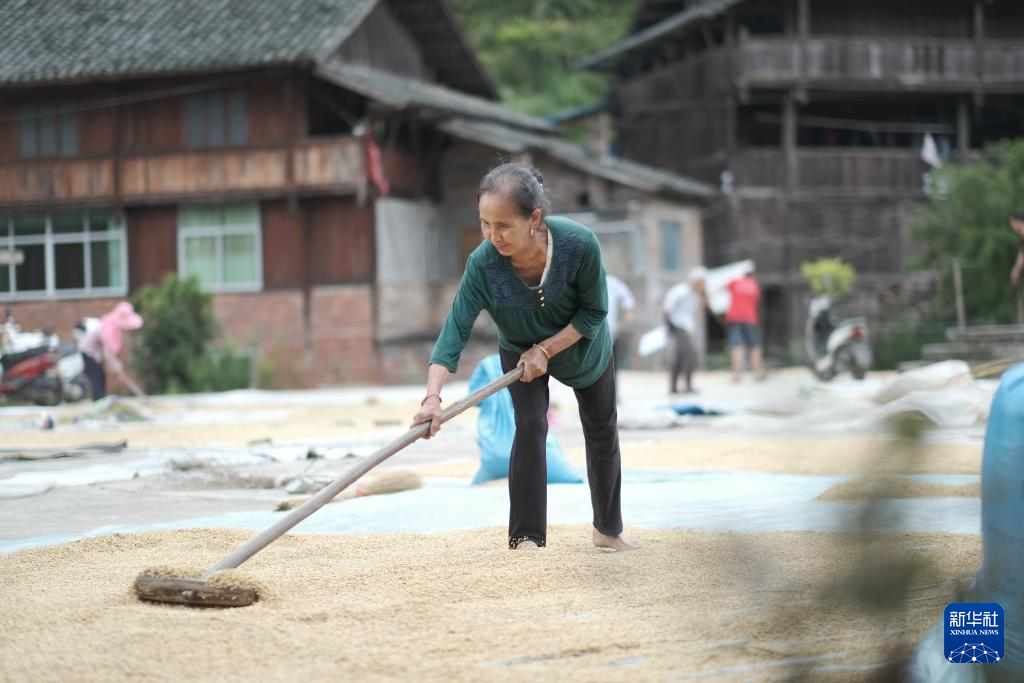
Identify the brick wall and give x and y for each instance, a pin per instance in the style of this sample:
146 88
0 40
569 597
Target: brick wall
61 315
340 348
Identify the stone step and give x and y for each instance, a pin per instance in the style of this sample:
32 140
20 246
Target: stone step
995 334
971 352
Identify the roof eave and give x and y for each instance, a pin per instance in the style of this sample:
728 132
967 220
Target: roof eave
609 57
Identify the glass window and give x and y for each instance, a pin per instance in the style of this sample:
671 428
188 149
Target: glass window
671 245
238 124
30 276
194 120
61 255
221 245
217 118
201 258
47 124
107 269
68 133
68 222
239 261
47 130
28 134
101 221
69 265
29 224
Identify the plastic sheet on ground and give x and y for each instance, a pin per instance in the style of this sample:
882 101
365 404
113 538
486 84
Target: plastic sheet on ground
114 409
747 502
943 393
156 461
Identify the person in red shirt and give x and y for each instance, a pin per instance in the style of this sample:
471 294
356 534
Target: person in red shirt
743 326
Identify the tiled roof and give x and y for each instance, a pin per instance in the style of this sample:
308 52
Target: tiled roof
688 17
400 92
51 41
620 171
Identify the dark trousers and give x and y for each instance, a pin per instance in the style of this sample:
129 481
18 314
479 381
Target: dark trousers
684 358
96 376
527 468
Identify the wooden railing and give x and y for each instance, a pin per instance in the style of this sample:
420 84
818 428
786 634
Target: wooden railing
71 179
833 170
906 62
318 164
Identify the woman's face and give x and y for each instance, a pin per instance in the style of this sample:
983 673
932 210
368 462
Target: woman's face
503 225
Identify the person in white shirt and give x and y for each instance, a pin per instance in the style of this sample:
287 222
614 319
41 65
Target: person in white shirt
683 306
620 311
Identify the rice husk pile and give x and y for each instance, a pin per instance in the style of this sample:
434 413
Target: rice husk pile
461 607
892 488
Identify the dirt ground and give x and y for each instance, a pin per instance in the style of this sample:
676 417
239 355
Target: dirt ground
459 607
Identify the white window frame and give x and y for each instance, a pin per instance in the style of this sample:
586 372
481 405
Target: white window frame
219 232
49 240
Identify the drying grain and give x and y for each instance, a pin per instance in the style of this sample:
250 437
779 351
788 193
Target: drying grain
461 607
892 488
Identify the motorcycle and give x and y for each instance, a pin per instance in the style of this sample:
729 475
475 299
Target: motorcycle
835 346
31 375
70 366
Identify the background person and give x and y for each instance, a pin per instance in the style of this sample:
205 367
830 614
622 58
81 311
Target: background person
1017 225
620 312
683 306
743 327
542 280
101 343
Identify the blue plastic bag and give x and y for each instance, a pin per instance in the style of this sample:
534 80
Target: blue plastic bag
496 429
1001 579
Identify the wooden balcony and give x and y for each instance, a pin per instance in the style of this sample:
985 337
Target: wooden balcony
331 164
910 63
833 171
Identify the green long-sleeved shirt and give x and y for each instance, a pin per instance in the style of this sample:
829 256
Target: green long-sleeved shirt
573 291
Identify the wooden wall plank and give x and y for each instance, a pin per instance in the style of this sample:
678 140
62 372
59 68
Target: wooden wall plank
152 244
342 240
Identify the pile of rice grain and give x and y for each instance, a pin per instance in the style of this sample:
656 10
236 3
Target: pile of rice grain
461 607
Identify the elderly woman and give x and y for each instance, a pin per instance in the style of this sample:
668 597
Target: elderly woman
542 281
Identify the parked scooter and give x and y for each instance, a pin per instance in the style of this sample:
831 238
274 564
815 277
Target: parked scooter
31 376
69 362
836 346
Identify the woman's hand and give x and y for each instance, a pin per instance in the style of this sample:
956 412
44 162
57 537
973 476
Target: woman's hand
534 363
430 412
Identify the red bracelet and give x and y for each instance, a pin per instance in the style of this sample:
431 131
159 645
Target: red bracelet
428 396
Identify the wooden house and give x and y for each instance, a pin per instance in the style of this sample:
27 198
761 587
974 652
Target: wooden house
312 162
811 116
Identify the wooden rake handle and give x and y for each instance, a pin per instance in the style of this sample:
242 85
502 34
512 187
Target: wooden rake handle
340 484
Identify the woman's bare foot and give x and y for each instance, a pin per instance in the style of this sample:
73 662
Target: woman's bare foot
526 545
619 542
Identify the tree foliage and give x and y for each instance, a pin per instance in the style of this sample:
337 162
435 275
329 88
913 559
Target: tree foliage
966 220
530 46
832 276
175 354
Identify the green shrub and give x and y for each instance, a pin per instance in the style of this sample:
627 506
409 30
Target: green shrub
175 356
221 370
178 327
895 345
832 276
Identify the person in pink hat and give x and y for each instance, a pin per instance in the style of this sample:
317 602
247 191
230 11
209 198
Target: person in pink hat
100 345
